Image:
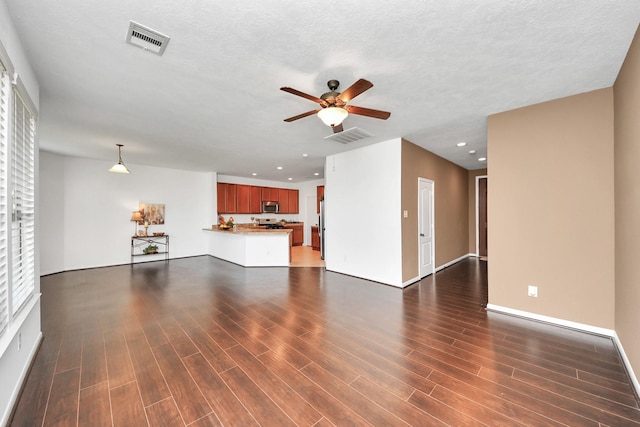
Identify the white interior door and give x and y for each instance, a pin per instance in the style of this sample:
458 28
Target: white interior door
425 227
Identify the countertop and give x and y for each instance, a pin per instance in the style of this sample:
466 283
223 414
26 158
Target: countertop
250 230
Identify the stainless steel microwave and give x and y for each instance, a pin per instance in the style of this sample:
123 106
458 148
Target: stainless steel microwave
270 207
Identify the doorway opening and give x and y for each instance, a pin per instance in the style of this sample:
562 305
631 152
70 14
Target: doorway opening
482 226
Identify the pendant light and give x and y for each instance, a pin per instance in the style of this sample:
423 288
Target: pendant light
119 167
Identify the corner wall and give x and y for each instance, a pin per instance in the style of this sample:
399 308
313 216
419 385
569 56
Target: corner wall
362 213
551 209
451 207
626 92
88 207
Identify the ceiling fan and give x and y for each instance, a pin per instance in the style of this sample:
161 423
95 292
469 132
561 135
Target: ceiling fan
334 104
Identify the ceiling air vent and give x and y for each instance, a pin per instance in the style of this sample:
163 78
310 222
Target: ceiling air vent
348 135
146 38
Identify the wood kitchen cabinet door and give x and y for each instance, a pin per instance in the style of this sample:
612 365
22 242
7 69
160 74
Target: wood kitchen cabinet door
244 199
283 199
315 238
255 200
269 194
297 233
227 198
294 207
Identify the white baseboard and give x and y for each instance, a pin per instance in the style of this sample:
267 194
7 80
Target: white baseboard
411 281
450 263
627 363
443 266
23 377
578 326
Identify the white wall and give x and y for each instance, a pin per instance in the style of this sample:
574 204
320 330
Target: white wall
19 341
87 211
362 213
52 222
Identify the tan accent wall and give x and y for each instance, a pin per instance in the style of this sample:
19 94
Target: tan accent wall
472 207
626 92
551 208
451 207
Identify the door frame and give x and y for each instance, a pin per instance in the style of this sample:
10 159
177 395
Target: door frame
478 178
433 227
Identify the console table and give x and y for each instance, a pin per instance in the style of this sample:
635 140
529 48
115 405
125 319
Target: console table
138 243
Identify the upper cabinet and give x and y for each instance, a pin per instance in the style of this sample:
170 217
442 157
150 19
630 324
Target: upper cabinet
244 198
294 207
283 200
247 199
255 204
269 194
227 198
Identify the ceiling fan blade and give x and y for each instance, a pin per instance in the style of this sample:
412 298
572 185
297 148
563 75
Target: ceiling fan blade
300 116
376 114
337 128
304 95
355 89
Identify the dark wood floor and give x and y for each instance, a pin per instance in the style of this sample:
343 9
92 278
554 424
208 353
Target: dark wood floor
201 342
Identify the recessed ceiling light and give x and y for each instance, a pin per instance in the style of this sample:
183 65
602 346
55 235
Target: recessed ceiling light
461 144
254 174
482 159
472 151
317 173
290 179
279 168
305 155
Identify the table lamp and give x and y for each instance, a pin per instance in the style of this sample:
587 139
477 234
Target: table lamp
137 217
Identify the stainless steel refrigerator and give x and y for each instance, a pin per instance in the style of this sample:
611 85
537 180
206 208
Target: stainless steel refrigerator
321 229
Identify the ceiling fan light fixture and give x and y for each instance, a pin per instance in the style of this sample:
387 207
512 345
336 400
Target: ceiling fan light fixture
332 116
119 167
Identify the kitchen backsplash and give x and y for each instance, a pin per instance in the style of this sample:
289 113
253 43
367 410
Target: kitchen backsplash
246 219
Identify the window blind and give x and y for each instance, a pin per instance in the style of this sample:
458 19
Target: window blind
23 204
4 138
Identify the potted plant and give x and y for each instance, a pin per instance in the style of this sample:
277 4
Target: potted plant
151 249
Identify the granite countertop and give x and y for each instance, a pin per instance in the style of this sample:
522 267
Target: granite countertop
249 230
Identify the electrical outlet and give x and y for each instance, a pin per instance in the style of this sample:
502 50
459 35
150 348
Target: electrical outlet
405 213
533 291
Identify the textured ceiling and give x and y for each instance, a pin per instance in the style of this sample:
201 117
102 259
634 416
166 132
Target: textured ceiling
212 101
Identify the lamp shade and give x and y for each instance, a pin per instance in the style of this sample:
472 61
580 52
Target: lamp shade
136 216
332 116
119 167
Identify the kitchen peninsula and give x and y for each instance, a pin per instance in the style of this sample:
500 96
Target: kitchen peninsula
251 246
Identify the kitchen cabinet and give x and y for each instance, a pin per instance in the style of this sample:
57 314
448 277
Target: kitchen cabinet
269 194
319 196
283 199
297 233
243 198
315 238
227 198
255 201
294 206
249 199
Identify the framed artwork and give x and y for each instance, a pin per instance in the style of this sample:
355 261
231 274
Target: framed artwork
153 213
